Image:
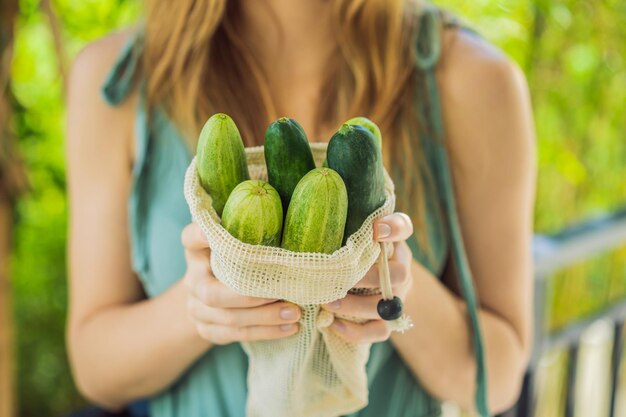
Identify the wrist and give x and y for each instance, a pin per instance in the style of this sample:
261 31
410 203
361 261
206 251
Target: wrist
185 327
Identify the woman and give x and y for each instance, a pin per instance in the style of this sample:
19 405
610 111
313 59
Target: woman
147 317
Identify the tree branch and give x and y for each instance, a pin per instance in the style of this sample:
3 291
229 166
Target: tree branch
55 29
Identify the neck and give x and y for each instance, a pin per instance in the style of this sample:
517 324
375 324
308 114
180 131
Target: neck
295 34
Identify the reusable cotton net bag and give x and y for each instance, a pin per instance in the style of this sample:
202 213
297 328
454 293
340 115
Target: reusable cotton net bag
313 373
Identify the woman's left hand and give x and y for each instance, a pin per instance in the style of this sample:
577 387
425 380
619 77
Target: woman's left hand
394 228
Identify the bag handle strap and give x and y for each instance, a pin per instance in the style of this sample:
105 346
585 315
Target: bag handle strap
428 52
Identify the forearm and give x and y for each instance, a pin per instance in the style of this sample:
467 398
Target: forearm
438 349
127 352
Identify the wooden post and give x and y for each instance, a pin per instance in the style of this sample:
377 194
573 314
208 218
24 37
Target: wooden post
7 388
11 182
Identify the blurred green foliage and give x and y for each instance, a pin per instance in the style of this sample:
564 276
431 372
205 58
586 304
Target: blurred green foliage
572 51
45 384
573 54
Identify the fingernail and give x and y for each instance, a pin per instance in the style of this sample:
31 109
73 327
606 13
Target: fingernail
287 327
383 230
288 313
335 305
339 326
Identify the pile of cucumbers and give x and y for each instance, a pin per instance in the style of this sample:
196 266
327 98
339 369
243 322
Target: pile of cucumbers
301 208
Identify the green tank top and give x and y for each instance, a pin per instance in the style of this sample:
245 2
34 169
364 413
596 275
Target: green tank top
215 385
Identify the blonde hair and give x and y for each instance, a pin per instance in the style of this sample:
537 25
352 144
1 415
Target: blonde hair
199 65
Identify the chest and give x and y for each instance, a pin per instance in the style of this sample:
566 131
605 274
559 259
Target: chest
302 101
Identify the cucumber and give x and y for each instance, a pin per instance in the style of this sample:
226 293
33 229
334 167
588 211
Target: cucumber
369 125
287 155
354 153
254 214
297 124
317 213
221 159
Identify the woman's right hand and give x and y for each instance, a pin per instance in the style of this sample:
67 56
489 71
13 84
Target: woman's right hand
220 314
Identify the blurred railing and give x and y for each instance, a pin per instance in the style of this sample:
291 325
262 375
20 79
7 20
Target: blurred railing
553 254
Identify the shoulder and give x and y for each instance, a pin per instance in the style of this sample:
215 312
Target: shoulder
87 110
94 61
471 66
485 101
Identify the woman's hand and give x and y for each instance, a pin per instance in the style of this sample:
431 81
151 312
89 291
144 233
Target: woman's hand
220 314
394 228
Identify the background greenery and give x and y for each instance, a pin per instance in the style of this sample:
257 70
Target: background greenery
572 51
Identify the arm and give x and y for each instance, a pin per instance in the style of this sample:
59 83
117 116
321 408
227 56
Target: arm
491 144
489 135
121 346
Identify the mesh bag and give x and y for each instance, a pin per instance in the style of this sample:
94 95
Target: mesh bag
313 373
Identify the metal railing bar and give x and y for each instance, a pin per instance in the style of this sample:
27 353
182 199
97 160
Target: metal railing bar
578 243
570 334
526 403
572 375
616 360
540 313
551 254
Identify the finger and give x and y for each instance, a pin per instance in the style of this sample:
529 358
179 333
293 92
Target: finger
213 293
193 238
222 335
393 228
266 315
370 332
398 272
359 306
402 253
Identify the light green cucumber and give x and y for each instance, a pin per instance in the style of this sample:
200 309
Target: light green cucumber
221 159
316 217
254 213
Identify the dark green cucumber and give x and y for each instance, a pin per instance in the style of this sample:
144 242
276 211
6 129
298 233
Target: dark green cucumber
298 125
254 214
316 217
221 159
354 153
287 155
369 125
